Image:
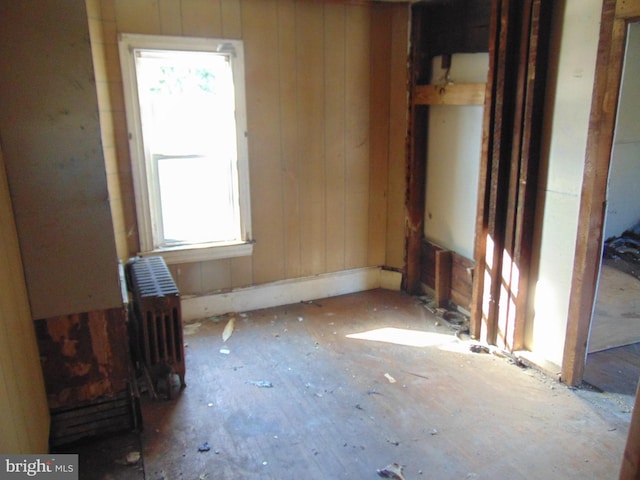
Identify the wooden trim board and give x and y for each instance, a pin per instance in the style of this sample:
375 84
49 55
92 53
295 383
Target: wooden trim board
453 94
288 291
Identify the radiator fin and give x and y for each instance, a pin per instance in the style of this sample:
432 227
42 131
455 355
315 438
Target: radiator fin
156 301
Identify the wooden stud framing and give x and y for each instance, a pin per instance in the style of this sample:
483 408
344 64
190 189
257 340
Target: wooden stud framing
416 171
509 170
454 94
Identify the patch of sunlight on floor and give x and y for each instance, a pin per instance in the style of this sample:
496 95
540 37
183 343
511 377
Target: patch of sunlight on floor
402 336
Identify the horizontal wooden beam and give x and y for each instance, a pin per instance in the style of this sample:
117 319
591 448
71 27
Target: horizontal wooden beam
452 94
628 9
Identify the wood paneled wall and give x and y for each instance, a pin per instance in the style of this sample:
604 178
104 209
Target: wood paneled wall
24 421
326 101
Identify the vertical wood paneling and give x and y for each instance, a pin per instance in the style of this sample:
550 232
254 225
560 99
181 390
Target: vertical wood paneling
378 171
231 18
288 136
140 16
216 275
241 272
310 139
25 416
397 138
357 137
335 132
326 96
170 17
201 18
259 22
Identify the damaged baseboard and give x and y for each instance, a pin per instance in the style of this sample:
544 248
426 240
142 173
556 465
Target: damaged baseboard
289 291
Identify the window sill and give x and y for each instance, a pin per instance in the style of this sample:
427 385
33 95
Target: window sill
201 252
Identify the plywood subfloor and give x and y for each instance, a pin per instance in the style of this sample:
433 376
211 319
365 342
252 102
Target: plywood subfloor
332 414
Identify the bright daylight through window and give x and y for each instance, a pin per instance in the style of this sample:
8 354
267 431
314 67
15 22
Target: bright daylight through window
187 129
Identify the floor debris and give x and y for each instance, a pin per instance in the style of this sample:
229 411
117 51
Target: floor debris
390 378
393 470
204 447
476 348
191 328
260 383
228 329
624 251
132 458
225 351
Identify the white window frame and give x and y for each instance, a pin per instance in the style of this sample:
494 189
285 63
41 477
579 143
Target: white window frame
128 43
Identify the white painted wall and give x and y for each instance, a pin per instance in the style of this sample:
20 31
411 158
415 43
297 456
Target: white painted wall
453 160
623 194
574 48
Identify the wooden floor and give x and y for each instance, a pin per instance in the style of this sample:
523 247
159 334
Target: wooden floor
615 370
333 412
616 325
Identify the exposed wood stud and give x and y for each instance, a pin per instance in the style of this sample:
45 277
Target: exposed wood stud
592 203
509 170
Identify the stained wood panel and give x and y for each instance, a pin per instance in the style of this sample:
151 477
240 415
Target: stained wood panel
201 18
310 138
398 114
288 120
379 154
231 13
141 16
170 17
357 136
335 133
262 84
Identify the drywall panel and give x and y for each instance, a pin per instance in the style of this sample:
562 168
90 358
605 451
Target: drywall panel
551 298
453 159
572 96
623 194
574 44
24 422
55 166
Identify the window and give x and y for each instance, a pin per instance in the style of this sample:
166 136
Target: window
186 118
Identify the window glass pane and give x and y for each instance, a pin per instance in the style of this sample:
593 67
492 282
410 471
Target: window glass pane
197 203
188 121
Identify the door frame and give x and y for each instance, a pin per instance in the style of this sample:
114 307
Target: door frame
616 15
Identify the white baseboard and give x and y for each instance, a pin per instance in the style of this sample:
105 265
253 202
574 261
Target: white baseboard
289 291
390 280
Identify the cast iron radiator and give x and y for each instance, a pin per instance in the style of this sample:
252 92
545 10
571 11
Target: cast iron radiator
158 321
